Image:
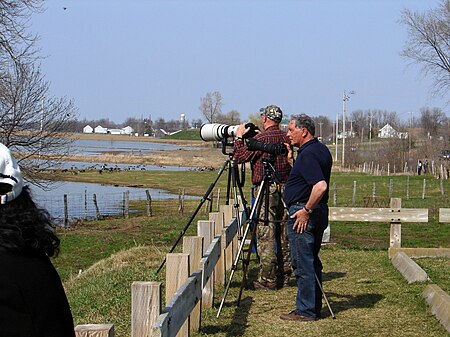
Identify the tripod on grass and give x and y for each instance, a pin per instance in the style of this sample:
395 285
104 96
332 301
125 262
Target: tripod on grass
234 185
252 227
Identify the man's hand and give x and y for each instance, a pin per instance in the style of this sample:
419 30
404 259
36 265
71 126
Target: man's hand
290 155
301 220
241 130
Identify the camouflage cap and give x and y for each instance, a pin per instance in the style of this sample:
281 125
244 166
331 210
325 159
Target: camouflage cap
272 112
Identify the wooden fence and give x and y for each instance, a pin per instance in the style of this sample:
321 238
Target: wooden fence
191 275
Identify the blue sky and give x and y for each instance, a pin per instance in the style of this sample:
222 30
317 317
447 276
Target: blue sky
134 58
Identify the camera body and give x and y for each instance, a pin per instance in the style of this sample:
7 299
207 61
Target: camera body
278 149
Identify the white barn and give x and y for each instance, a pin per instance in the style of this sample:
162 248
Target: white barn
88 129
388 131
128 130
100 129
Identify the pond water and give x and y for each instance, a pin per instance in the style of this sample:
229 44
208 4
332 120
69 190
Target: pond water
109 198
79 165
88 147
80 198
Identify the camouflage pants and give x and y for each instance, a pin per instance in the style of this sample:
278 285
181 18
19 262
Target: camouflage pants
272 239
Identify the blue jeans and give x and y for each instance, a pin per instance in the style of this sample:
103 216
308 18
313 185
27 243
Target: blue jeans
306 263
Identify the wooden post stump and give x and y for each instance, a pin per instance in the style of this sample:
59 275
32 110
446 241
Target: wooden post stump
145 307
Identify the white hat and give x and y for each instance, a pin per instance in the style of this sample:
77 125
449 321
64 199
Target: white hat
9 174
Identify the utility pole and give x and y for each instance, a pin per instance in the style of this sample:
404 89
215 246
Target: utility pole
370 131
410 129
345 98
337 132
320 127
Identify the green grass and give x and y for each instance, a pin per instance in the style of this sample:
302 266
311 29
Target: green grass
367 294
193 134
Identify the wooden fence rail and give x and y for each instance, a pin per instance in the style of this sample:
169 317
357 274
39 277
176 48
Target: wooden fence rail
150 320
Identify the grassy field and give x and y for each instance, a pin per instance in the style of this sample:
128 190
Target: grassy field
367 294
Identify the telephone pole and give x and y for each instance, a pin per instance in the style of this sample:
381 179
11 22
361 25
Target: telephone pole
320 128
345 98
337 132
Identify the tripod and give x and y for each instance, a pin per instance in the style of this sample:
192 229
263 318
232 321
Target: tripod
234 183
252 226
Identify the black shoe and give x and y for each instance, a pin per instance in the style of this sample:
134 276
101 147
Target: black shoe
293 316
265 285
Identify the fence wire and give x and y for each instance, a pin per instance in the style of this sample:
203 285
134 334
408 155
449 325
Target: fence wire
82 205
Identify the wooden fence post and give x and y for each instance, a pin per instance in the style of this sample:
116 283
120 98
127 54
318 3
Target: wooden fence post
193 245
408 187
66 212
334 194
177 272
94 330
424 191
85 205
219 271
149 204
354 193
206 230
181 201
396 226
391 187
227 216
126 204
145 307
97 211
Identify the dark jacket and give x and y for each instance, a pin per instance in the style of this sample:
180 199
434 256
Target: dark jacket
32 298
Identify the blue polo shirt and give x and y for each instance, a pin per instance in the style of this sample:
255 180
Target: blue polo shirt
313 164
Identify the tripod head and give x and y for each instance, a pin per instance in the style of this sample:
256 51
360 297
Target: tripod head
269 169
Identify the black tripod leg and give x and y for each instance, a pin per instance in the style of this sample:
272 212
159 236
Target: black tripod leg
202 201
255 209
263 195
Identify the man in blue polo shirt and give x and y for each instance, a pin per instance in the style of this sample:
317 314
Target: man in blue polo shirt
306 195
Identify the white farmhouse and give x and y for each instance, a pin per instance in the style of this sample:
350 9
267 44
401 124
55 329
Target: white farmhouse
387 131
100 129
128 130
88 129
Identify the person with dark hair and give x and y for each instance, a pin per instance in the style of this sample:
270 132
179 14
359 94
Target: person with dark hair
32 298
273 247
306 193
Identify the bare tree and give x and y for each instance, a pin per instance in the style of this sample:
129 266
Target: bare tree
233 117
31 121
30 118
429 43
432 119
211 106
